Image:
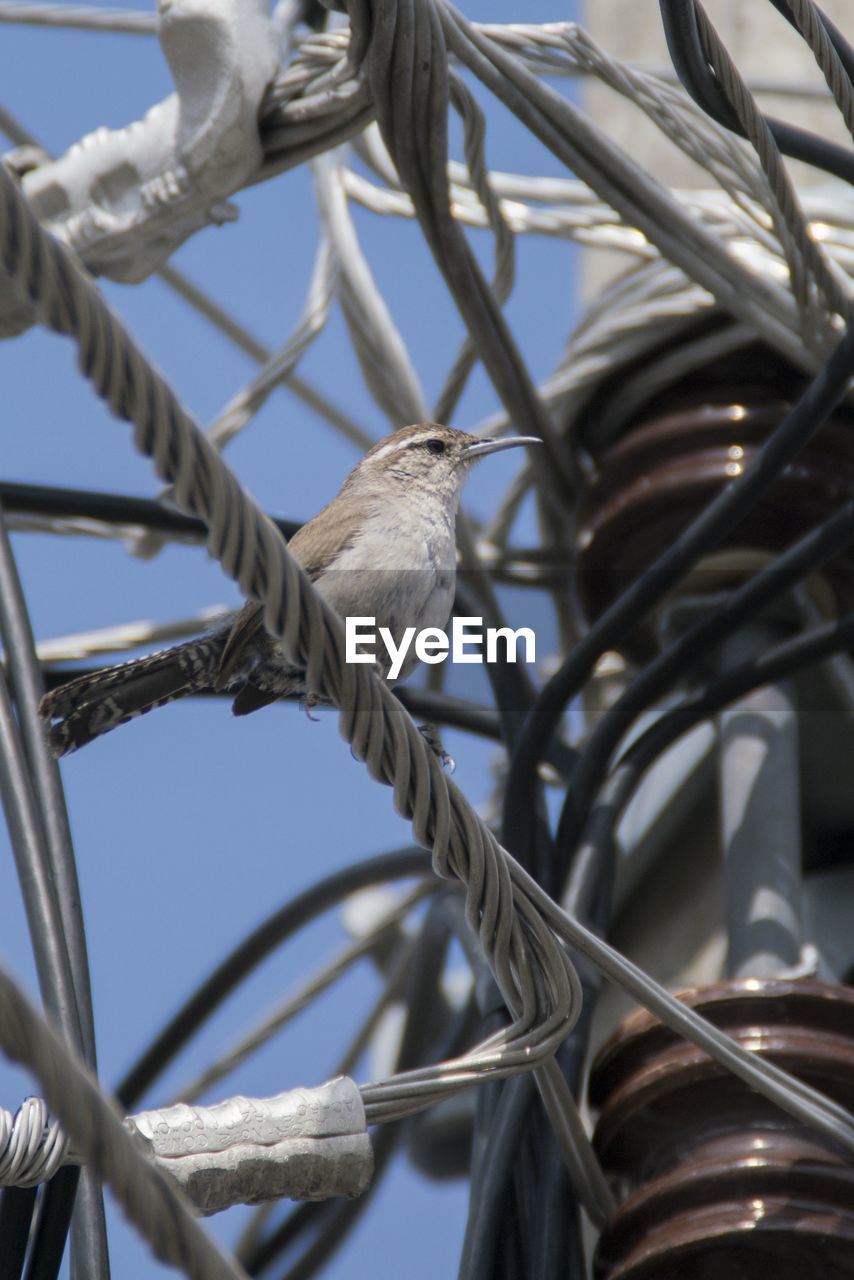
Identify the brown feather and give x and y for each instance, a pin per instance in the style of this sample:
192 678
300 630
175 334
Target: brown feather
315 546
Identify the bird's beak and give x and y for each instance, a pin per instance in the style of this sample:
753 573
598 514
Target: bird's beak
480 448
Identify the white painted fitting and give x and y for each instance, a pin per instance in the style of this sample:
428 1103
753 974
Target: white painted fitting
306 1144
124 199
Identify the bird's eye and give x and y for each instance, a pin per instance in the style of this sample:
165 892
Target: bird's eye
435 446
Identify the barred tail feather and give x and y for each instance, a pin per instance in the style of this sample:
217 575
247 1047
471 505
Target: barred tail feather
83 709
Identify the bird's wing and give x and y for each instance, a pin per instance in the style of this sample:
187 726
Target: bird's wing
245 627
315 546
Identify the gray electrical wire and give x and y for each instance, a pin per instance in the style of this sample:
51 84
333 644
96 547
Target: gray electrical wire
509 922
474 135
310 395
412 112
378 729
461 847
815 34
808 263
82 17
41 838
309 990
386 366
150 1200
643 203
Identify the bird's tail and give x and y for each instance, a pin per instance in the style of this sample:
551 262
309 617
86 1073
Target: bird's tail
83 709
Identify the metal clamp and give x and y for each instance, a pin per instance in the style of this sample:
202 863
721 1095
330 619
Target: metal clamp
124 199
306 1144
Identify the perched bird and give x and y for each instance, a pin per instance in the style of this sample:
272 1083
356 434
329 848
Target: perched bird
384 547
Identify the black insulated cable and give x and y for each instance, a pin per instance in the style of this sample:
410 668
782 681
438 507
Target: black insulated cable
809 553
782 660
705 532
53 1222
332 1221
292 916
43 872
90 1235
17 1207
58 503
515 1107
777 663
432 705
689 60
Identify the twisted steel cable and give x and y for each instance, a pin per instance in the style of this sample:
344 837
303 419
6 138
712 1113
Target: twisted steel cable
503 904
809 266
415 785
814 31
150 1200
251 551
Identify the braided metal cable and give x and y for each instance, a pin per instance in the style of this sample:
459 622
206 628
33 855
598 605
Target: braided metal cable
815 34
565 47
667 106
530 968
323 84
645 204
32 1148
242 407
805 256
386 365
251 550
277 367
100 1138
322 98
533 974
474 136
298 1000
405 62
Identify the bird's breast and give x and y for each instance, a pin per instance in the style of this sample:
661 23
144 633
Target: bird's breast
397 573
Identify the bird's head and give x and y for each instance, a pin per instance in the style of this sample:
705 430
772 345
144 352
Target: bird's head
429 457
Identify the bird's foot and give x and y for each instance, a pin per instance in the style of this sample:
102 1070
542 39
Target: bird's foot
430 734
309 702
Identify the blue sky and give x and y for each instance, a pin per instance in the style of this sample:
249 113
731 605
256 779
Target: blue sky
190 826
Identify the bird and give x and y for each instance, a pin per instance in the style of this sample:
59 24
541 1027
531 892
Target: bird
384 547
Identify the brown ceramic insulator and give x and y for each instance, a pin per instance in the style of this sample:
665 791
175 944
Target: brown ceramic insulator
768 1207
666 467
720 1182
